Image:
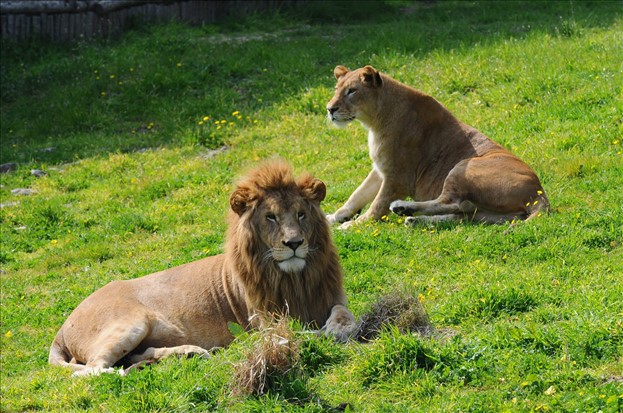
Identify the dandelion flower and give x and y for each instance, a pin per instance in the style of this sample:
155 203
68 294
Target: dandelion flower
235 113
206 118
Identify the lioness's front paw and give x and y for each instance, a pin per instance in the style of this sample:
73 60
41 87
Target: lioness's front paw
347 224
331 219
339 216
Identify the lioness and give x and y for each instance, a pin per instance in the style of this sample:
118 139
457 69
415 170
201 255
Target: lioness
279 258
419 149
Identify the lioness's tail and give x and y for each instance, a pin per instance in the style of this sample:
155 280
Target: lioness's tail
538 206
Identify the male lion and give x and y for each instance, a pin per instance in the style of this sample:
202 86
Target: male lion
419 149
279 258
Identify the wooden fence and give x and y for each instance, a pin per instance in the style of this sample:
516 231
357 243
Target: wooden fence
68 20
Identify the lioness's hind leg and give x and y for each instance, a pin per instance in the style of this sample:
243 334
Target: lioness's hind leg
158 353
434 207
433 219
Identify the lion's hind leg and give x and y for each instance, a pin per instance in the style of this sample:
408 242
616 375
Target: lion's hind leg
113 343
158 353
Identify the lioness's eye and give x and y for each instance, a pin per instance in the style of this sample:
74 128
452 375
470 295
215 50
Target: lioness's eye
351 91
301 216
271 217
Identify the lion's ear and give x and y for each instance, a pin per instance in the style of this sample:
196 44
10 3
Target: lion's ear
314 189
371 76
339 71
239 200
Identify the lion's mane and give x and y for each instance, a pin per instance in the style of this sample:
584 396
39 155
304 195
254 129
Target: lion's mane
307 296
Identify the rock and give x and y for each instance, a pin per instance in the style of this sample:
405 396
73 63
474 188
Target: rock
8 167
8 204
23 191
38 173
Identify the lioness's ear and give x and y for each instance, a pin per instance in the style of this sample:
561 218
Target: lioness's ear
371 76
339 71
239 200
313 189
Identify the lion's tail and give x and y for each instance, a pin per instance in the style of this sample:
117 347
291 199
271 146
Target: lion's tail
538 206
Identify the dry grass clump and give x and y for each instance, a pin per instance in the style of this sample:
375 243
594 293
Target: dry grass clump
274 354
398 309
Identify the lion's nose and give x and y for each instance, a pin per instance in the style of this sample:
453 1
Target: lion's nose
293 244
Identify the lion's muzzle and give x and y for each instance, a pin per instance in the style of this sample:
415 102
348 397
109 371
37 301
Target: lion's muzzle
291 257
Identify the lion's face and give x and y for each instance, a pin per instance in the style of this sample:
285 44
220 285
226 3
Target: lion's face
355 95
281 220
283 224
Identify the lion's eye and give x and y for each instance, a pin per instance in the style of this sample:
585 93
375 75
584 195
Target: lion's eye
271 218
301 216
351 91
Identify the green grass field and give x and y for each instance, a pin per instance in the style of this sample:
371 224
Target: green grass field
129 132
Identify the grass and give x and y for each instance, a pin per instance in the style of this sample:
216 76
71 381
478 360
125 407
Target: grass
126 130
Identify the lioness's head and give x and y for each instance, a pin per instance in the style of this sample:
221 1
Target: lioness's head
277 218
355 93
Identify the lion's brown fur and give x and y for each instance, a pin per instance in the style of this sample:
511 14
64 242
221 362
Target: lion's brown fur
307 297
186 309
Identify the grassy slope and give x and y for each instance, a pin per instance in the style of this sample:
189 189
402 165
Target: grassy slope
538 311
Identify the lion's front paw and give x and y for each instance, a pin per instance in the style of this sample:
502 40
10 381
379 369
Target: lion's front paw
341 325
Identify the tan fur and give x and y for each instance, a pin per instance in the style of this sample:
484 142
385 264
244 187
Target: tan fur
279 259
420 150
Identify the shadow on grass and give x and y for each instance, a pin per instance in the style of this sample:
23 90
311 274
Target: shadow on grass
175 85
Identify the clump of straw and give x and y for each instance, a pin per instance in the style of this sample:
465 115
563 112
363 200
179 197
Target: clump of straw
402 310
275 354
